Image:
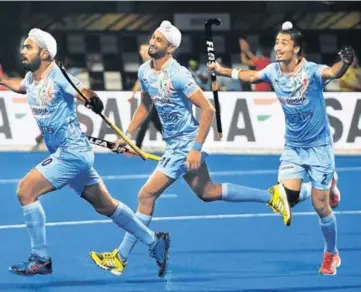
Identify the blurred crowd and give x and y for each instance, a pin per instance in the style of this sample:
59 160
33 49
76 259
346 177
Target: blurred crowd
255 59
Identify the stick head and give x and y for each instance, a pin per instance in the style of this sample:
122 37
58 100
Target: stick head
214 21
60 64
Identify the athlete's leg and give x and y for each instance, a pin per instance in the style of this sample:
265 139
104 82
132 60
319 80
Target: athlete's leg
203 186
33 185
335 194
51 174
321 172
134 224
98 196
291 173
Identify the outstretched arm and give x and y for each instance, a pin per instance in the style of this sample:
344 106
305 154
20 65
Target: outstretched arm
13 84
243 75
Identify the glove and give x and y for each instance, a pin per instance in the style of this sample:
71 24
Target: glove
347 55
95 104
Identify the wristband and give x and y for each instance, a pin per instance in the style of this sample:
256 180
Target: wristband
197 146
128 135
235 73
343 69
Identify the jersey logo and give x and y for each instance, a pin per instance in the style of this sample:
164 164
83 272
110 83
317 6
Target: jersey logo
297 85
293 101
45 92
165 86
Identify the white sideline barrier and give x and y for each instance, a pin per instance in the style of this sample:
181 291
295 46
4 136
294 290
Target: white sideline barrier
253 122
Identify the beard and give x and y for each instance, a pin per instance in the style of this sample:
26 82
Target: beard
32 65
157 54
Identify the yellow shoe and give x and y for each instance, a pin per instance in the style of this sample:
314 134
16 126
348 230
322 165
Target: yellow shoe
110 261
279 203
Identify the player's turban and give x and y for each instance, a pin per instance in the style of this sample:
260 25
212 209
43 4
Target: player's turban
172 34
44 40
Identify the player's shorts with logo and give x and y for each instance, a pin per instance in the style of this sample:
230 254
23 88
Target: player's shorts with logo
314 163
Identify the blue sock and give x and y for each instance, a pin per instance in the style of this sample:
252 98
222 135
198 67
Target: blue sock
130 240
35 222
329 231
124 217
305 192
238 193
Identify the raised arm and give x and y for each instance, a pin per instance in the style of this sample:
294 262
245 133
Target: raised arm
247 57
336 71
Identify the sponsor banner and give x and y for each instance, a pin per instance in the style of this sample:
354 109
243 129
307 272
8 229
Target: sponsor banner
252 122
196 21
17 124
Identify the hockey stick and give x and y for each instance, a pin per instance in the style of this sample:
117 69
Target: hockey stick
105 119
211 58
110 145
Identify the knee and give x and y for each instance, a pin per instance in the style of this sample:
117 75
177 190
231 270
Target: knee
105 211
99 198
23 195
293 196
321 205
205 198
107 208
145 197
207 194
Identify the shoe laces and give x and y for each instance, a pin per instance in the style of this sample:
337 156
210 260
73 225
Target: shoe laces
278 207
108 256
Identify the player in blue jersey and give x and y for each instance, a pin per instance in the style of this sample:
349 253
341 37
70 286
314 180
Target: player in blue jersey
53 103
172 90
308 150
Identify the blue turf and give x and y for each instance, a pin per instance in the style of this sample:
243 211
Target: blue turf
235 254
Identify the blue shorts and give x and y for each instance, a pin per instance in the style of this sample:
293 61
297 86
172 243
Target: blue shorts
173 161
316 163
73 168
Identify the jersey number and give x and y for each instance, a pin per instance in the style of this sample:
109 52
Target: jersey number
46 161
164 161
324 179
